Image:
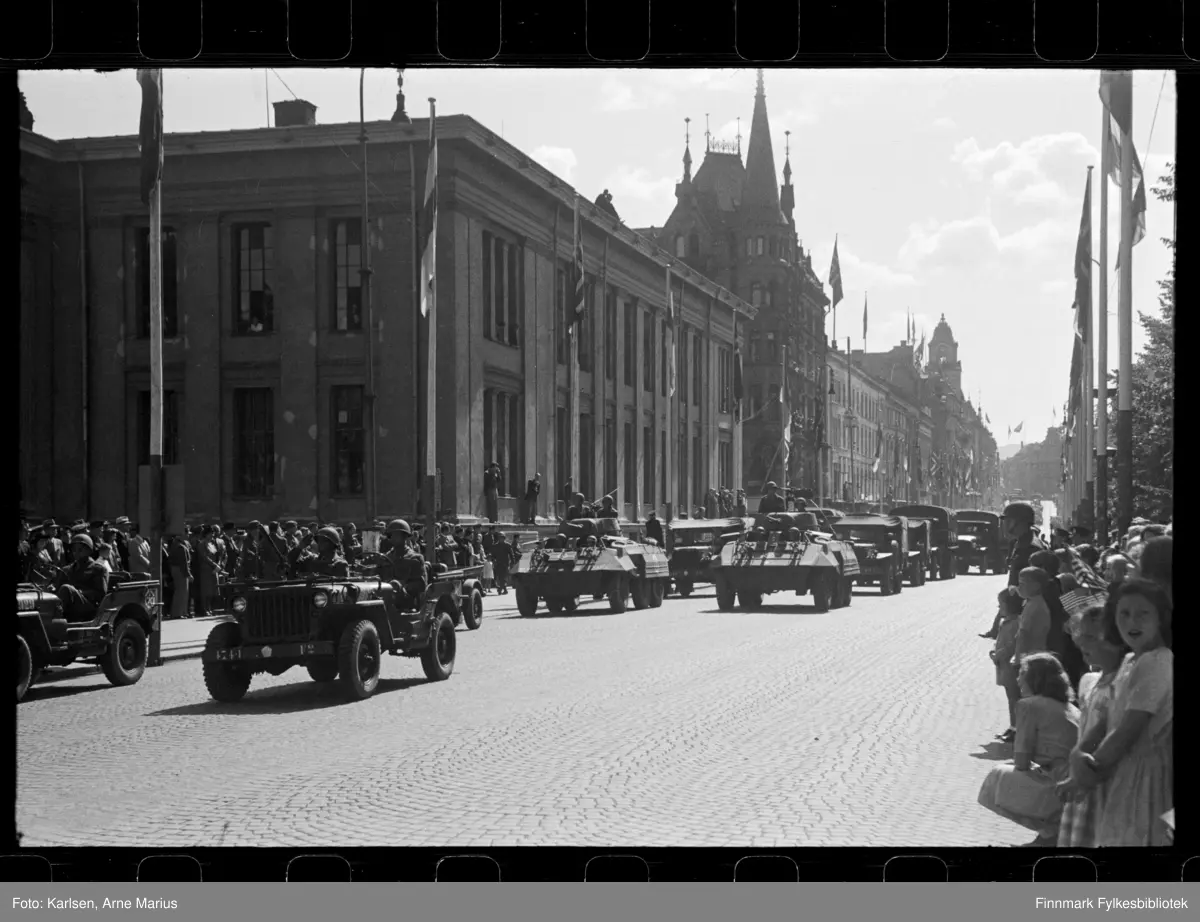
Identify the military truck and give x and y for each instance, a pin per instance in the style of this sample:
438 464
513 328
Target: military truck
691 545
943 537
784 551
337 629
979 542
918 551
881 544
593 560
114 636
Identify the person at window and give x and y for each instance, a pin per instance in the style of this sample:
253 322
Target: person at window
491 492
327 560
532 489
82 585
772 501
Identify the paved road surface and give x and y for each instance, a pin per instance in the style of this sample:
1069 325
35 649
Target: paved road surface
676 726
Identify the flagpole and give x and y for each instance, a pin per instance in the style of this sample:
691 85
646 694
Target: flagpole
573 363
1125 338
431 497
785 417
365 271
669 460
850 410
1101 442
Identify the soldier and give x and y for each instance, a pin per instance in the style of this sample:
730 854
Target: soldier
122 526
740 510
1018 527
446 549
328 559
291 535
82 585
654 528
607 509
772 501
579 509
264 555
54 547
402 564
139 550
532 489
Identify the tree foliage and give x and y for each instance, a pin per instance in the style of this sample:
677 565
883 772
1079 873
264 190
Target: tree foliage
1153 384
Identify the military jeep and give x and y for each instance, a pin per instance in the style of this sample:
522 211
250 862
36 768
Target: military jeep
337 629
691 545
114 636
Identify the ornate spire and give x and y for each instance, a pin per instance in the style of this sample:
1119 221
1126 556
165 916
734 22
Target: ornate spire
707 133
687 150
760 190
787 156
787 195
760 91
400 115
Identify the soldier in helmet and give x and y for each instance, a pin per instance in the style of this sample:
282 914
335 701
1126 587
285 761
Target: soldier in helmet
772 501
607 509
403 565
264 555
328 559
84 583
578 509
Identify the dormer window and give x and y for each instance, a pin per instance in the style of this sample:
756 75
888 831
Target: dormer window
761 243
679 246
749 246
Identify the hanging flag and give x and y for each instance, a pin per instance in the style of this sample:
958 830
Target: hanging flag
785 416
835 277
988 418
580 299
921 351
1083 297
1018 426
1116 95
671 323
429 218
150 130
864 323
878 446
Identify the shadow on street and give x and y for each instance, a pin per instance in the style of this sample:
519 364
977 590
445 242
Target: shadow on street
994 752
287 699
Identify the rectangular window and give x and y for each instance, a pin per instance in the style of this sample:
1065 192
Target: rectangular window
253 264
756 398
681 470
170 293
587 457
755 347
772 347
648 352
515 469
663 475
610 334
349 437
254 441
724 379
647 466
486 284
610 455
515 262
560 294
499 266
489 415
170 427
697 470
586 338
630 484
665 357
630 339
681 359
562 450
697 368
347 280
725 463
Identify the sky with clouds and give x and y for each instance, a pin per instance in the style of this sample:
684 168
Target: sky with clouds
950 192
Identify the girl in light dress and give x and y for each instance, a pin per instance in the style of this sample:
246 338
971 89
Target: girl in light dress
1047 730
1133 763
1094 631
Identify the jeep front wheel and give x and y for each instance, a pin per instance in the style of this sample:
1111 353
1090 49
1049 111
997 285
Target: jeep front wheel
359 658
125 659
226 682
437 659
24 667
324 669
473 610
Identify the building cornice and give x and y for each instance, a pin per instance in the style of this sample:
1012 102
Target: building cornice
451 129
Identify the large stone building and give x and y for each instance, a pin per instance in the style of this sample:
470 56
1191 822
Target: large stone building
265 353
736 225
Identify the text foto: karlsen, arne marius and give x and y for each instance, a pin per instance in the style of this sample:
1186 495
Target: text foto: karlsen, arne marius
68 903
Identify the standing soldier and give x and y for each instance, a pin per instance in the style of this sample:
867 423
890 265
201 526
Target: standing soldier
180 559
532 489
578 509
139 550
607 509
54 547
491 492
122 540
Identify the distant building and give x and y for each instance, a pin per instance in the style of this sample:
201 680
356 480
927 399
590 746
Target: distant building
265 329
736 225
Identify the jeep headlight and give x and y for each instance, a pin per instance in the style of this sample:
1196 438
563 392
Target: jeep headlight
320 599
239 604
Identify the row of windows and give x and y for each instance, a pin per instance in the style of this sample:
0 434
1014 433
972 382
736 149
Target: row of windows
504 438
503 289
765 246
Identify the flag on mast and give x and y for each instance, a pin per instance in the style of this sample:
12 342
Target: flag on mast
150 130
878 446
675 344
1116 95
1083 298
429 218
785 414
580 300
835 276
1017 428
864 323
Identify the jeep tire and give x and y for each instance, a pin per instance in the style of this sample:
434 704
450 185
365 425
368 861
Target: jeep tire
437 659
227 682
359 658
24 667
656 592
473 610
527 601
322 669
125 659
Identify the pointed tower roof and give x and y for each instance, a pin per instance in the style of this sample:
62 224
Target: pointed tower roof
760 196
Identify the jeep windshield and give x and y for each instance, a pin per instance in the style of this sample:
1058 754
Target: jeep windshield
981 529
865 535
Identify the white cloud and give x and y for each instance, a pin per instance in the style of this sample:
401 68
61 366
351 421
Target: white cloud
560 161
858 274
977 244
618 96
654 195
1052 159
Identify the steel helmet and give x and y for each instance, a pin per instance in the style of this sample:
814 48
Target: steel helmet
84 539
330 533
399 525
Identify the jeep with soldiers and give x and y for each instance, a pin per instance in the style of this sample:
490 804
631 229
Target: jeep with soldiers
691 545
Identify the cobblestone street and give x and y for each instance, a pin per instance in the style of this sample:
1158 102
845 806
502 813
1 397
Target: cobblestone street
683 725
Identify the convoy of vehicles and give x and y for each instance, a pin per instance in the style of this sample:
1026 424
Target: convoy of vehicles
691 545
943 537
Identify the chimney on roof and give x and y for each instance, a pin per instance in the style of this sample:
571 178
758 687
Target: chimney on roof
293 113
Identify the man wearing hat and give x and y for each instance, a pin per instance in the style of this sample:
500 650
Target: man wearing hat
122 541
179 561
1081 535
772 501
328 559
1017 526
54 547
82 585
290 534
654 528
264 555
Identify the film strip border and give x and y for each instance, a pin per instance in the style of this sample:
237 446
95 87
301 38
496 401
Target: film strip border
963 33
567 865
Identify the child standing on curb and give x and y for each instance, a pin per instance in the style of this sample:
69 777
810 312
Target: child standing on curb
1008 620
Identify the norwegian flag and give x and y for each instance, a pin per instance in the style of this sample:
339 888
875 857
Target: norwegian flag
429 218
580 299
150 130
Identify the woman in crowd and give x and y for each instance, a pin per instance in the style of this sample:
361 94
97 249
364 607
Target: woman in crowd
1047 730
